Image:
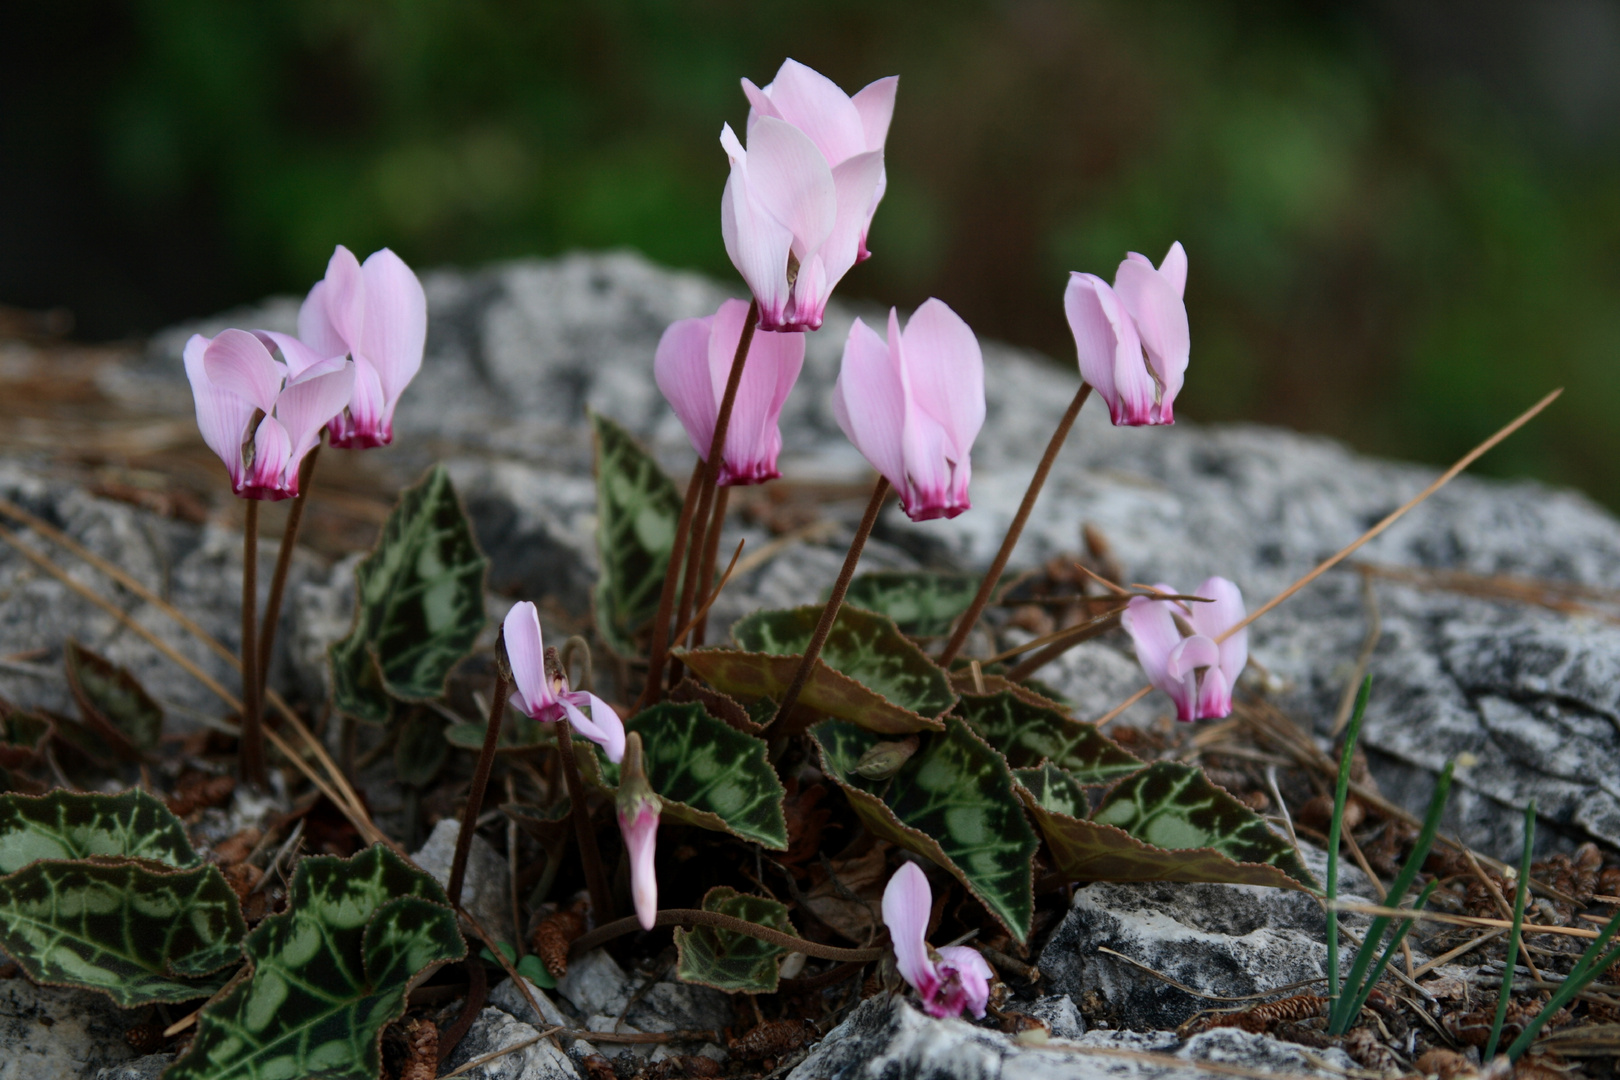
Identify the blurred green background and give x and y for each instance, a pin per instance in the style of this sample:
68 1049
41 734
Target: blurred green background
1403 218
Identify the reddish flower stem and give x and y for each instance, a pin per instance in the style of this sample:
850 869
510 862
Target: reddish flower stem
278 580
829 614
584 833
992 577
251 763
711 552
659 648
480 780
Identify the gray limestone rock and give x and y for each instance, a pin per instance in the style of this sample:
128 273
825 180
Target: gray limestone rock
149 1067
1060 1014
885 1038
485 890
495 1030
599 989
50 1033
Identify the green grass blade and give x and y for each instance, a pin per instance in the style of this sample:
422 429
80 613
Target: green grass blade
1593 962
1519 896
1341 1016
1353 1008
1340 794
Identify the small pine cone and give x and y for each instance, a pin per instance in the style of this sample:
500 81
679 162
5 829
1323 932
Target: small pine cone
1446 1064
421 1049
552 938
145 1038
771 1039
1362 1045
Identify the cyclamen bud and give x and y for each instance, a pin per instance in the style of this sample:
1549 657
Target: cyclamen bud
638 808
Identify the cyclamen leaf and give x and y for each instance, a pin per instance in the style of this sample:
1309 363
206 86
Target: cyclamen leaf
328 975
707 773
727 960
868 672
921 604
1028 734
113 701
1054 789
1215 838
134 933
420 750
637 510
952 802
420 604
70 825
1175 806
518 732
23 738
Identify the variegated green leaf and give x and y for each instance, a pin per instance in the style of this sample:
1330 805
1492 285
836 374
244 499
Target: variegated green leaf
328 975
922 604
952 802
637 509
868 672
1028 734
113 701
727 960
707 773
1175 806
1054 789
421 604
420 749
23 736
71 825
135 933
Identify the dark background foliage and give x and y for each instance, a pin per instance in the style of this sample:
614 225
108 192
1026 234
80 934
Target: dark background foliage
1403 218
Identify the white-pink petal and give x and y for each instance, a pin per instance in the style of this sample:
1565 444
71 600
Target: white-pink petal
526 656
869 402
395 333
238 361
907 904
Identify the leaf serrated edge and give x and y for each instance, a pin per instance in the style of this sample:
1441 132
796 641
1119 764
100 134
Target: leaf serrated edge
683 933
911 722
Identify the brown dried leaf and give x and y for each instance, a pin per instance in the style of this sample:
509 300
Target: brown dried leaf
849 901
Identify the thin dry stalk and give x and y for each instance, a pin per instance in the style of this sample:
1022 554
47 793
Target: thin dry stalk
480 781
278 578
252 738
711 551
658 649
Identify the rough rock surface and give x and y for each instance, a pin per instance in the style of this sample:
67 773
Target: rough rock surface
1221 940
485 890
517 352
48 1033
496 1030
884 1038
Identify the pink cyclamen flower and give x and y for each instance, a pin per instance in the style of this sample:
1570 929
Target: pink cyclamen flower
544 696
800 198
1196 672
1133 338
913 406
259 414
692 365
377 314
949 979
638 808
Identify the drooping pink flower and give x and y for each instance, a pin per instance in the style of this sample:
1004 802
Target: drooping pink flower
375 313
800 198
692 365
1133 338
545 696
1197 673
638 808
259 414
947 980
913 406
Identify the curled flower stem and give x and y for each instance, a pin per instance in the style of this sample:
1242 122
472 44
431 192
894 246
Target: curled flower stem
711 552
480 783
829 613
992 577
659 650
252 750
595 877
695 917
278 580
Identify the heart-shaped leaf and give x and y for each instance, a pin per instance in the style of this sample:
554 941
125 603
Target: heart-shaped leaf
727 960
132 932
952 802
1027 735
637 510
113 702
720 706
1055 790
868 672
707 773
922 604
328 975
70 825
421 604
1169 823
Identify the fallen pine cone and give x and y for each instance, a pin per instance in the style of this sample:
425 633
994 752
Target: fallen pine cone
1260 1018
1363 1046
422 1050
772 1039
553 937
